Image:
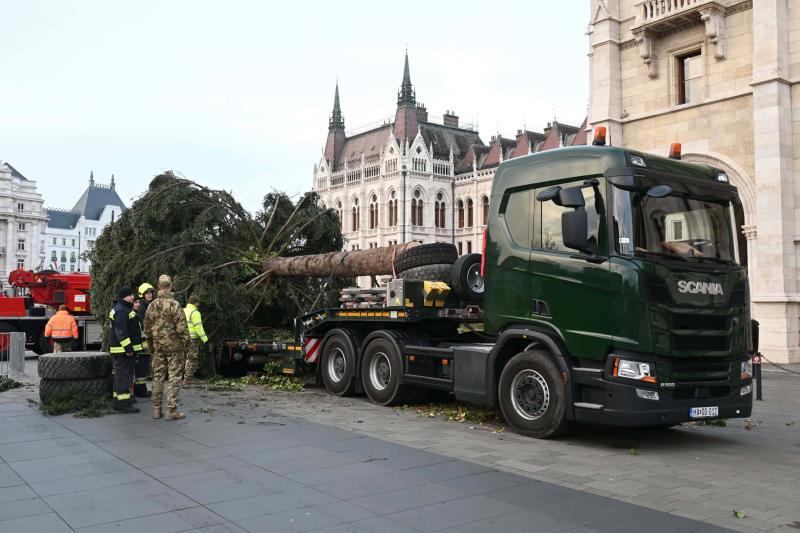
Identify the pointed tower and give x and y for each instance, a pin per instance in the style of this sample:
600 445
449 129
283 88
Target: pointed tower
91 178
336 135
406 123
113 185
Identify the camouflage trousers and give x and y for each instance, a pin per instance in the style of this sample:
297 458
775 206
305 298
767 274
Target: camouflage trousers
62 346
163 363
193 357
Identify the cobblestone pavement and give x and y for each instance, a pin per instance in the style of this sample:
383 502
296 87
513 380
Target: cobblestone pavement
304 461
700 472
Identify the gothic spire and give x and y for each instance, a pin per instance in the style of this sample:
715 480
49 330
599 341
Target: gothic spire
406 95
91 177
337 120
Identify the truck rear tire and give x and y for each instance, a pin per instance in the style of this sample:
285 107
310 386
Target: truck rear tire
381 368
466 280
52 389
532 395
426 254
75 365
437 272
338 365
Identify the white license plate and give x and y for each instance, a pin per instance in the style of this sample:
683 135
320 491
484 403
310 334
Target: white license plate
703 412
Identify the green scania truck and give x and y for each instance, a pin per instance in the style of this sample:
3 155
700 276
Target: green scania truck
614 291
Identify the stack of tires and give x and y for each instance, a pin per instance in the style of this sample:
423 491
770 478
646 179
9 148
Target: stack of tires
84 374
439 261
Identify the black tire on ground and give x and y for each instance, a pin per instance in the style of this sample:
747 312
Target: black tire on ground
338 365
532 395
381 367
465 278
426 254
75 365
84 388
437 272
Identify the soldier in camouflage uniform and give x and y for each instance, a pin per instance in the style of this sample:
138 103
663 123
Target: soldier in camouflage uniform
165 327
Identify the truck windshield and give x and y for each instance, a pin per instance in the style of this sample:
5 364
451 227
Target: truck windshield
690 224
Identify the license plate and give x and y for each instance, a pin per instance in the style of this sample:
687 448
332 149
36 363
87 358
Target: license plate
703 412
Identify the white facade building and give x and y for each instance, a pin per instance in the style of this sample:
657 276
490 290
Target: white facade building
418 180
71 233
22 222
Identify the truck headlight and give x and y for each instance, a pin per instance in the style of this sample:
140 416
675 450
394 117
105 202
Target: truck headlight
747 369
625 368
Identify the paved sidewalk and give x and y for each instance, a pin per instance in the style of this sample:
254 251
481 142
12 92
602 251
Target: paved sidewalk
239 465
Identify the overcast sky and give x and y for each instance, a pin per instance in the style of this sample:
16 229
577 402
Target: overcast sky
237 94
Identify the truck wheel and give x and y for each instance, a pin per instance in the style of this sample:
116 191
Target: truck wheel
466 280
50 389
338 366
437 272
426 254
75 365
532 395
381 368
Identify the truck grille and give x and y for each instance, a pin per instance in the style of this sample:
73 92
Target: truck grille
699 379
700 343
699 322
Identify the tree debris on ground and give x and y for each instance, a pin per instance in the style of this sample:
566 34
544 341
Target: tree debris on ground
7 383
456 412
214 248
79 406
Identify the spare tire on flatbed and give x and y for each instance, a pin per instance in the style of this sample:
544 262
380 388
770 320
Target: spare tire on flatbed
426 254
75 365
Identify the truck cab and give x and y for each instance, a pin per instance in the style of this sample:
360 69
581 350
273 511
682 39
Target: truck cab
625 272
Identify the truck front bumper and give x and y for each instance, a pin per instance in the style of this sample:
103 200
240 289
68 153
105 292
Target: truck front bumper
622 406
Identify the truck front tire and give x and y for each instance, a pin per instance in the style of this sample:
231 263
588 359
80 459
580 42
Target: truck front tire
532 396
338 366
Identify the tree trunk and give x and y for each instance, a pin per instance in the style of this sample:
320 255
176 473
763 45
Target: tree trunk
370 262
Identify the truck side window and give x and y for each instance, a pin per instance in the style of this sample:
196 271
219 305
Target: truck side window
517 215
548 227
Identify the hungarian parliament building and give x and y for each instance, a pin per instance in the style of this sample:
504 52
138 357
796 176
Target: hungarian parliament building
416 179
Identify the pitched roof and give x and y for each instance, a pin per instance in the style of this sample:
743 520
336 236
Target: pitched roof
62 219
368 143
445 137
581 137
95 198
15 173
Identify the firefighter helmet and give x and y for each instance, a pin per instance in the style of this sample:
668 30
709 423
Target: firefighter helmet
144 287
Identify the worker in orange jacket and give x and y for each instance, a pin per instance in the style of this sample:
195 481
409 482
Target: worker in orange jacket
62 329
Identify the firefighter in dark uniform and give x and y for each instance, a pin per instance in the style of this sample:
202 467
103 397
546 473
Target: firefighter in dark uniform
123 335
142 369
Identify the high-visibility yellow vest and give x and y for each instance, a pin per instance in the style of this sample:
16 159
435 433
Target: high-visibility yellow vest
194 321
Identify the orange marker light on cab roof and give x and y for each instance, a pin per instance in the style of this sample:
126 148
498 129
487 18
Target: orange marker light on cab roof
599 136
675 151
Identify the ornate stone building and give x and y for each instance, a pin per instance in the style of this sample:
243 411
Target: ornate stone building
416 179
22 222
70 233
722 77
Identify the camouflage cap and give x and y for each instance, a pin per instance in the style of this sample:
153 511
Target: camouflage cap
164 281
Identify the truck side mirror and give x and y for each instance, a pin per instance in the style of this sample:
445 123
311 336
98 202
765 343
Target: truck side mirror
571 197
574 230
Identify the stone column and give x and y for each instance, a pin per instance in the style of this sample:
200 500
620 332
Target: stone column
775 292
605 70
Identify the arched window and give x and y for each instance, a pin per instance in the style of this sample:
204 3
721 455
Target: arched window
439 210
373 212
416 209
356 216
72 257
469 212
339 211
392 209
460 207
485 206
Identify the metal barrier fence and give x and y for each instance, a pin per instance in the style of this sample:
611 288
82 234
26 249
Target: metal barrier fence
12 353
